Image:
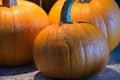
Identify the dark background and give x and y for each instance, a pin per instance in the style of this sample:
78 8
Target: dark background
49 3
118 2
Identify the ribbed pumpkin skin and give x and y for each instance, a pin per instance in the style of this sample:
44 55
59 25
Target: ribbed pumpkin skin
70 51
105 14
19 25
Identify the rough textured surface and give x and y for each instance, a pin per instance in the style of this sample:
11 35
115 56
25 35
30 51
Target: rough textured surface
30 72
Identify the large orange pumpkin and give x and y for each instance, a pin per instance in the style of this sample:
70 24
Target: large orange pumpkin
19 24
70 51
105 14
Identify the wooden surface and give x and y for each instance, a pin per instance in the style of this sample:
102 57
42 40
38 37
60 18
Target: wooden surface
30 72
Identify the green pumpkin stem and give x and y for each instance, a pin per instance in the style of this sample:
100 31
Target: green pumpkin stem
66 12
9 3
84 1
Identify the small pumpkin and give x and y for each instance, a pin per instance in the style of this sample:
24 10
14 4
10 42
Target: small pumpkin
20 22
70 50
105 14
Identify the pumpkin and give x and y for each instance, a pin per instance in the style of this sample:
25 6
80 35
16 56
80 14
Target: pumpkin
45 4
20 22
105 14
70 50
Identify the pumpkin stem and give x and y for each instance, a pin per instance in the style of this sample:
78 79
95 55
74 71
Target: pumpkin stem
9 3
84 1
66 12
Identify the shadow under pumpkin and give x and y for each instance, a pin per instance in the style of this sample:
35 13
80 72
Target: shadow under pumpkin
107 74
10 71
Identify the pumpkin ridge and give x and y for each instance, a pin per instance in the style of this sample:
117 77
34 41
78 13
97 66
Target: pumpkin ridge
30 18
102 55
14 54
95 55
103 19
22 31
109 31
85 54
7 36
46 48
100 17
70 50
15 33
85 72
18 33
45 45
106 25
2 20
1 39
62 38
82 51
65 41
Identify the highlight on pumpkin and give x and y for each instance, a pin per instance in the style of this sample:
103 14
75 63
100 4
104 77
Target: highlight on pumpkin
20 22
104 14
70 50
